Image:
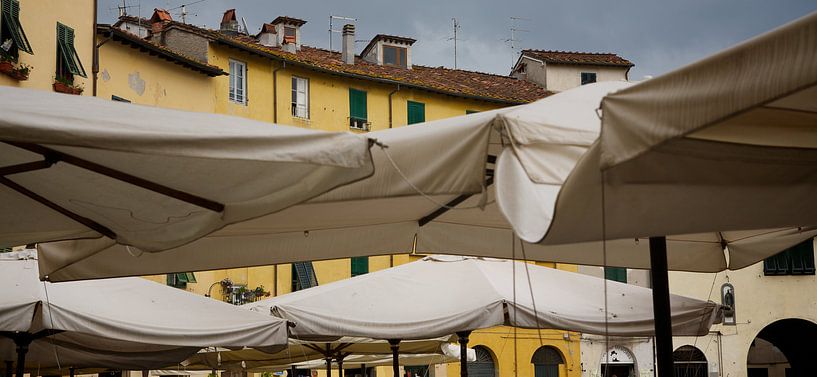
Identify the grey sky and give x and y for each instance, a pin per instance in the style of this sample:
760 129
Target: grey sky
657 36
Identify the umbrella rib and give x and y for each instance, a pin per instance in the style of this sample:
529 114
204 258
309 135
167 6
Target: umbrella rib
99 228
54 155
453 203
26 167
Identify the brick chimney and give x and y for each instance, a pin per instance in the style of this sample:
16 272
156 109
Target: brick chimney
348 44
158 20
268 35
229 24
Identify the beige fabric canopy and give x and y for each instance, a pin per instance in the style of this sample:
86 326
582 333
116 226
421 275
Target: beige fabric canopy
77 167
465 293
425 170
126 323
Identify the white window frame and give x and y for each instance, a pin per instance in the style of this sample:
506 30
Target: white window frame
300 97
236 94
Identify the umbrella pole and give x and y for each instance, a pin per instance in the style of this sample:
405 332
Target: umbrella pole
328 367
340 366
71 372
463 335
292 370
363 370
395 356
9 368
22 341
661 306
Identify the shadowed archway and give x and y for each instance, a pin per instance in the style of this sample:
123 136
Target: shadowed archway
793 338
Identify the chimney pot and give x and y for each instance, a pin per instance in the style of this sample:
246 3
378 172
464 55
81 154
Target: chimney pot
348 52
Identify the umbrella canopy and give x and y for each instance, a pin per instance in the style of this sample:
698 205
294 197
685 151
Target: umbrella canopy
299 351
127 323
433 190
78 167
463 294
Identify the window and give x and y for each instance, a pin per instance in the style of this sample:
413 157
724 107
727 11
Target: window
303 276
484 365
546 362
689 361
360 265
396 56
119 99
416 112
68 62
180 280
289 34
357 110
796 260
238 82
12 36
588 78
618 274
300 97
728 301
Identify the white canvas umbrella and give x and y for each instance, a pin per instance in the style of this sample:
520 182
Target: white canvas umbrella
127 323
78 167
728 143
461 294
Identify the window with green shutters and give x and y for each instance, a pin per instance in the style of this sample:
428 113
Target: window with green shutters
12 30
618 274
180 280
303 276
796 260
68 62
416 112
358 116
360 265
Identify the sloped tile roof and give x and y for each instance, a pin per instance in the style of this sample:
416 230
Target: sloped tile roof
569 57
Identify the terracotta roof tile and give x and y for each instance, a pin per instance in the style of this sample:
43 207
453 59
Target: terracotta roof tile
569 57
288 20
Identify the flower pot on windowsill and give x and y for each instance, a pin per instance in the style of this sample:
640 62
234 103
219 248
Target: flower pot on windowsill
67 89
18 75
6 66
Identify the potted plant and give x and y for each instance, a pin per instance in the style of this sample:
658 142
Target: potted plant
63 85
21 72
6 63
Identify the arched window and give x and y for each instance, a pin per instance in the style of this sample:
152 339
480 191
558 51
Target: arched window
546 362
689 361
484 366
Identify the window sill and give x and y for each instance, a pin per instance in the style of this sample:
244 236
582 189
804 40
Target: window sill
8 69
67 89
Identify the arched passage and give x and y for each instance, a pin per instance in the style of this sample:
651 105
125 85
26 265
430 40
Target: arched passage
792 337
689 362
546 361
485 364
619 362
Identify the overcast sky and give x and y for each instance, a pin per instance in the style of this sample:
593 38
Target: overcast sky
657 36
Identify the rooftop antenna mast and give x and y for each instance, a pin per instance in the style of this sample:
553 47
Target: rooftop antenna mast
183 10
454 38
332 18
513 40
123 8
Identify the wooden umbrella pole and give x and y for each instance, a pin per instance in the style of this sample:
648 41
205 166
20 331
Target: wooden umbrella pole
661 306
328 367
463 338
22 343
395 354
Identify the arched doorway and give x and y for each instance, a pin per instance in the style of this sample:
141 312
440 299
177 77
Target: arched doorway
792 338
484 366
618 362
689 362
546 361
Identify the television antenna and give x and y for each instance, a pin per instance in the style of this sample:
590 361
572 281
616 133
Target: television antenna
514 31
332 18
123 8
454 38
183 10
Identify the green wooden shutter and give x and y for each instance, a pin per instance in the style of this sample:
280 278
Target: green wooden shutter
416 112
360 265
65 45
303 276
616 274
357 104
11 16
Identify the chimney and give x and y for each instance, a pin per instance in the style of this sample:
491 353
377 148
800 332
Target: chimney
158 20
268 36
288 31
229 24
348 44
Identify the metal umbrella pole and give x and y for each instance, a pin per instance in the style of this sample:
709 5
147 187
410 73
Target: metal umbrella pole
661 306
463 340
395 354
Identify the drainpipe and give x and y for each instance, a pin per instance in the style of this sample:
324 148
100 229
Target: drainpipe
390 104
275 93
95 57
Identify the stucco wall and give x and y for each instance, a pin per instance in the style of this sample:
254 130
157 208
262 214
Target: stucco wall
38 19
562 77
